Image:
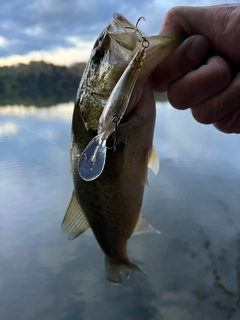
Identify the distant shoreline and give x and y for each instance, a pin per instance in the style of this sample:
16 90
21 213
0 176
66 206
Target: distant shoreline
42 84
39 83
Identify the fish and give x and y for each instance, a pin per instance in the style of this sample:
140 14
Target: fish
110 203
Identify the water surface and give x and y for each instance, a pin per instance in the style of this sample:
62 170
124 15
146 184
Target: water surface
193 267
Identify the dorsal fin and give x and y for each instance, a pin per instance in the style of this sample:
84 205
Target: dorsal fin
153 160
143 227
75 221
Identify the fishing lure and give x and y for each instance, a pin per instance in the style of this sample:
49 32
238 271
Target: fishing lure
93 158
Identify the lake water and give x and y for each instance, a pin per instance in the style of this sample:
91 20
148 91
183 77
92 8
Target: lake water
193 267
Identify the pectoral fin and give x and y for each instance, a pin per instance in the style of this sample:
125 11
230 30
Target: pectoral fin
143 227
153 160
74 222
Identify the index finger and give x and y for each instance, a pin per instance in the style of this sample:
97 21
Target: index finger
189 20
218 23
182 60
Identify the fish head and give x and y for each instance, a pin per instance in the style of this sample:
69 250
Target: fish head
111 53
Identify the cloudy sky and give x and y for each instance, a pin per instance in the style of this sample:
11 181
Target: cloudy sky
63 32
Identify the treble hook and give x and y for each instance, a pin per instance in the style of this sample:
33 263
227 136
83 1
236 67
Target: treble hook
138 21
116 120
145 42
136 26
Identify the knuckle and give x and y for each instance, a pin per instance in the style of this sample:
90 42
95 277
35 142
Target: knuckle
171 14
223 126
230 123
223 73
207 112
172 20
178 95
201 114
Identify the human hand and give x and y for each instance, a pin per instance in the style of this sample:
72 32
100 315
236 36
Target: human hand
203 73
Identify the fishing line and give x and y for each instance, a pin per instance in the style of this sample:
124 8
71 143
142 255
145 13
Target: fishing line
39 135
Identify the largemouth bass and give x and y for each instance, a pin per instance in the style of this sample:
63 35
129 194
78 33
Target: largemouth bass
110 204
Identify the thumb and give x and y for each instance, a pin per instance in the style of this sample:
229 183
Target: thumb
187 20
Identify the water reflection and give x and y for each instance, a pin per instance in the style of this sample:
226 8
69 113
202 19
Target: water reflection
193 267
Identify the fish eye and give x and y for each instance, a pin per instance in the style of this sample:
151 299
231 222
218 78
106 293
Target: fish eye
98 54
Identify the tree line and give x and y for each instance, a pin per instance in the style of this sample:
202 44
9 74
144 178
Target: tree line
41 84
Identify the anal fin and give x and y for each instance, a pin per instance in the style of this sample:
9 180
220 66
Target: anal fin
75 221
143 226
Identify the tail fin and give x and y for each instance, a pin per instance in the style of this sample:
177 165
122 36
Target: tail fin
115 272
92 160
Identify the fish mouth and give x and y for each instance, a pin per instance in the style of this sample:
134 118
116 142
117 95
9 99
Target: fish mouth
121 20
123 24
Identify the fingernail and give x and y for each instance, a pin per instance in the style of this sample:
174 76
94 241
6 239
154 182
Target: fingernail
198 48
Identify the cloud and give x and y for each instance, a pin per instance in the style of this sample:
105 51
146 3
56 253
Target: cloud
28 27
48 24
